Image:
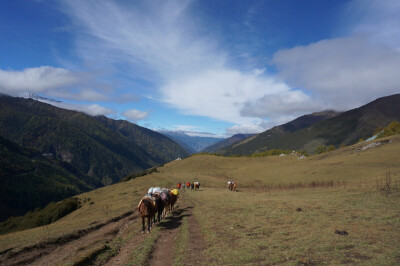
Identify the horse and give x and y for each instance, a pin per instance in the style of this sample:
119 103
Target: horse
174 197
196 185
232 185
166 199
147 209
160 204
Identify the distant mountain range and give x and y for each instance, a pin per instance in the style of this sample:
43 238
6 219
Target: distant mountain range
191 141
324 128
100 150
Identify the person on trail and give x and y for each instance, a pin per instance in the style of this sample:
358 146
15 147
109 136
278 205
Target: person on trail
192 186
179 185
183 185
188 185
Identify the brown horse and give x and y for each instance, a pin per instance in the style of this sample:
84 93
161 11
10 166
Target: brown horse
160 204
174 198
147 209
196 185
232 186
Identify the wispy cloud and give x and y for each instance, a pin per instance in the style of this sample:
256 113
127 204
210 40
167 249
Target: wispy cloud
163 43
135 115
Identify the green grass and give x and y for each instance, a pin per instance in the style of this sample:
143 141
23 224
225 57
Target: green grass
254 227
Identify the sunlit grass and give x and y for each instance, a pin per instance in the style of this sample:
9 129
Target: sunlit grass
277 216
255 227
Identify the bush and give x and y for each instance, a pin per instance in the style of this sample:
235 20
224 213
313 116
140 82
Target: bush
51 213
322 149
392 129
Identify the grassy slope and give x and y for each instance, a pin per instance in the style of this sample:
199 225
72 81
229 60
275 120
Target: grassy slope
260 224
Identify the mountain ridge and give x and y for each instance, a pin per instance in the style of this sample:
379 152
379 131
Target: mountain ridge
342 129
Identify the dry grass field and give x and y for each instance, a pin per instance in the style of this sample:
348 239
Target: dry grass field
286 211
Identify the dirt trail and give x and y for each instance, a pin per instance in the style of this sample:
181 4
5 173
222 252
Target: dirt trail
162 253
196 243
85 247
52 254
164 247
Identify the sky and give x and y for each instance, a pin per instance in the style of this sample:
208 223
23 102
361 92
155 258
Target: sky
223 67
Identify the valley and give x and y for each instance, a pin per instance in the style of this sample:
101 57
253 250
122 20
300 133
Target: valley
286 211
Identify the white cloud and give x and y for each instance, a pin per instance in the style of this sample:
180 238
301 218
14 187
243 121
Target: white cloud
291 102
39 79
219 93
343 72
162 43
135 115
91 109
52 82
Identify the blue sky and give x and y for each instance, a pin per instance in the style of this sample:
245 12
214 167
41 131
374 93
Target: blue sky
222 67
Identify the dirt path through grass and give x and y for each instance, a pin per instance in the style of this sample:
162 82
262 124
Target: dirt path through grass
194 253
80 246
163 249
82 249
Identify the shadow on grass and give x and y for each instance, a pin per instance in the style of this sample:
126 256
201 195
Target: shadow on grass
174 221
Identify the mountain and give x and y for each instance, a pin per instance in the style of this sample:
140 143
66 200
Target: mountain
306 133
227 142
192 142
30 179
105 149
97 151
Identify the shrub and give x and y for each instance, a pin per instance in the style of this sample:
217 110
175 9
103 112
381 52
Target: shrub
392 129
51 213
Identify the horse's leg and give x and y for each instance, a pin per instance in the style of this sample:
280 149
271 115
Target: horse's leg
148 224
143 228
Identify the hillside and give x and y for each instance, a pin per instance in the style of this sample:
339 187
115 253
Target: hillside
100 147
343 129
30 179
264 141
61 153
286 211
226 142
